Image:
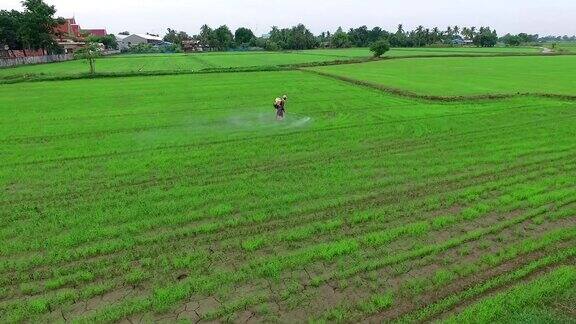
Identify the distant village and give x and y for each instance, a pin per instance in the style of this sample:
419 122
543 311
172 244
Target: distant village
71 37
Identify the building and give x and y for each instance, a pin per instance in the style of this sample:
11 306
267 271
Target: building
71 46
190 46
461 41
95 32
71 37
120 40
68 30
137 39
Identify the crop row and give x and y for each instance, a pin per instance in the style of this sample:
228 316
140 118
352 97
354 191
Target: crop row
536 292
507 278
445 276
162 237
74 273
564 235
172 294
335 251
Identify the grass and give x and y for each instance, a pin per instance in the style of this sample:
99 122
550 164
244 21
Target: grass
564 282
562 47
179 197
525 302
400 52
174 63
468 76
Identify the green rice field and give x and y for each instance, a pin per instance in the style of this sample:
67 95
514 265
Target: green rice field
180 198
142 63
568 47
468 76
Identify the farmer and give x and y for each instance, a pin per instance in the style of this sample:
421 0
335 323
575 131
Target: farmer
279 104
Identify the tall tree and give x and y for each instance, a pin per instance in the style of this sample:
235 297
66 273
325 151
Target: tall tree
377 33
419 36
171 36
279 38
297 38
176 37
399 39
9 29
223 38
433 35
485 37
511 40
456 30
340 39
38 24
359 37
109 41
301 38
243 36
207 37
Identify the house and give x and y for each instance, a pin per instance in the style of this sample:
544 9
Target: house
120 40
71 46
190 46
95 32
461 41
69 29
71 37
136 39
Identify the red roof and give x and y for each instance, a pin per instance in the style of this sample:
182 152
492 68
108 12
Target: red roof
61 29
75 30
68 29
96 32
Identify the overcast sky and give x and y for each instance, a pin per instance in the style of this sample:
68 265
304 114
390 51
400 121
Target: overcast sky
542 17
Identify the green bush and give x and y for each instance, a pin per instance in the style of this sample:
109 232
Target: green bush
380 47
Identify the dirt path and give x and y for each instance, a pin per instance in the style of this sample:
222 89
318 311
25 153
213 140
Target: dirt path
546 50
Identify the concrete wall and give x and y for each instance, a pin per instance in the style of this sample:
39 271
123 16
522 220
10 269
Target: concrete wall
35 60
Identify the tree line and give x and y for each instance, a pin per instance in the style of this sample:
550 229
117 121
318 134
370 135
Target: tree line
34 29
517 40
418 37
300 37
31 29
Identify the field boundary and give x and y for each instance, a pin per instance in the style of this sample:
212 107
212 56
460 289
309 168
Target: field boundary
34 60
267 68
414 95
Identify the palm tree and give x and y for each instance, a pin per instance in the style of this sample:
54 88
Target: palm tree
448 37
435 35
419 35
465 32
